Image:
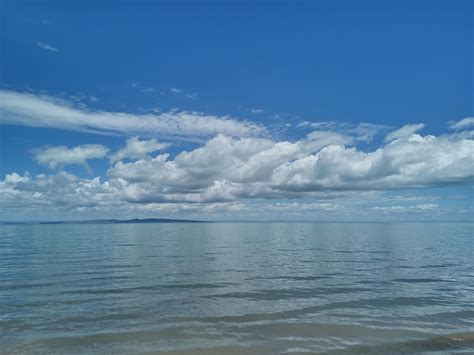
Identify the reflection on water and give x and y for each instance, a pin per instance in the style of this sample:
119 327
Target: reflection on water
243 288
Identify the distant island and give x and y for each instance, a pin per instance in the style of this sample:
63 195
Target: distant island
115 221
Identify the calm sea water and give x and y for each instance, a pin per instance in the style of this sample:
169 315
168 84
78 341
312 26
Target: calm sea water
237 288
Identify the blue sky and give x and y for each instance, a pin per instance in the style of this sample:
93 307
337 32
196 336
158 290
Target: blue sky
264 90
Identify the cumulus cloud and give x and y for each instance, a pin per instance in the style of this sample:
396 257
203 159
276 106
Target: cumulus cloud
137 149
320 172
62 193
414 162
47 47
224 168
59 156
321 164
45 111
65 196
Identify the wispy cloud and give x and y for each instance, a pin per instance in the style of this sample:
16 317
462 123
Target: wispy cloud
462 124
33 110
256 111
364 132
183 93
47 46
404 132
427 207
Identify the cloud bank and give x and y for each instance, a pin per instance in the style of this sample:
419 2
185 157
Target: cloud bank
322 173
323 163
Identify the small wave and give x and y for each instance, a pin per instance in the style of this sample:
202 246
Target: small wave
451 342
436 266
193 286
289 314
26 286
290 278
419 280
106 339
116 290
285 294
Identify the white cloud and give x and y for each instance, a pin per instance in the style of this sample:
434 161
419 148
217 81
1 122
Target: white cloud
414 162
320 139
59 156
404 132
422 208
327 125
256 111
464 123
321 165
323 173
137 149
364 132
63 196
15 178
182 93
45 111
47 47
223 169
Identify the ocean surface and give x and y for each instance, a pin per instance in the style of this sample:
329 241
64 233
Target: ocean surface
219 288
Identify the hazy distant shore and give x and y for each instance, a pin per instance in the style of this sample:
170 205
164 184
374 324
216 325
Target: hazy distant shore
114 221
172 220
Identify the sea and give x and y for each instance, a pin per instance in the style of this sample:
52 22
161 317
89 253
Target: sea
237 288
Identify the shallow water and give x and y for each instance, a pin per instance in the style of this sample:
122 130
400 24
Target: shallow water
237 288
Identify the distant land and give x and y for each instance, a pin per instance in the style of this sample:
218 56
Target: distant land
171 220
114 221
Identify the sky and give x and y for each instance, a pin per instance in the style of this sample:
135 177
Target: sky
237 110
